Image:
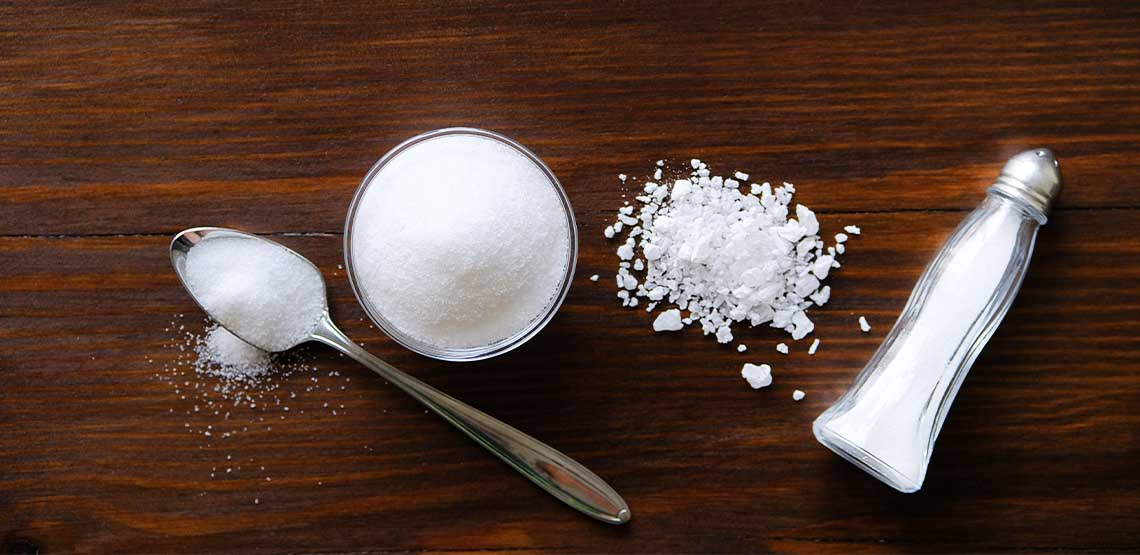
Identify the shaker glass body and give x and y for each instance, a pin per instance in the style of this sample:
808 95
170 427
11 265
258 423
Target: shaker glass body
887 422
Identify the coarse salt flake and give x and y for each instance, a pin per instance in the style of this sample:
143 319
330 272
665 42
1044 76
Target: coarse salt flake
757 376
670 320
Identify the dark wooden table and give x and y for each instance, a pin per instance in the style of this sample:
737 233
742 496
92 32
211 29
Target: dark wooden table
122 123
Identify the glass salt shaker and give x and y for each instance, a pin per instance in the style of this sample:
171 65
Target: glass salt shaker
887 422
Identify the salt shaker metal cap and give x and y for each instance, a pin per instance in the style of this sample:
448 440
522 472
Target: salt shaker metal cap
888 420
1033 176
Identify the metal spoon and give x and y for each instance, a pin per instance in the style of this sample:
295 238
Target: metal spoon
551 470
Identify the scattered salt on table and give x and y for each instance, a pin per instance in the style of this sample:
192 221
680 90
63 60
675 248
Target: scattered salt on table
223 353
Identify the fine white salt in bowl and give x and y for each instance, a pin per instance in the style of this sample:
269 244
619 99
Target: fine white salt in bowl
460 244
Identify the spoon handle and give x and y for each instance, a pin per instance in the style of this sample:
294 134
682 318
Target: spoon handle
551 470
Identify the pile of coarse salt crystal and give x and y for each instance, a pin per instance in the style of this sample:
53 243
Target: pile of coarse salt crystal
724 255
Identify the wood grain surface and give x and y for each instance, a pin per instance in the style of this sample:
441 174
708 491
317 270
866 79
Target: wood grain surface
124 122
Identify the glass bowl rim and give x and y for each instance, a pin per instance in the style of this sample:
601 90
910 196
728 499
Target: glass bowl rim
469 354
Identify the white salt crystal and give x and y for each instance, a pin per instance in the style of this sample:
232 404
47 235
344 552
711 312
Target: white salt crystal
670 320
461 241
852 229
782 348
639 264
660 163
840 248
741 176
863 325
723 334
840 237
801 325
657 174
741 348
625 252
798 395
814 346
821 297
622 177
594 277
256 288
822 266
695 163
806 218
608 232
757 376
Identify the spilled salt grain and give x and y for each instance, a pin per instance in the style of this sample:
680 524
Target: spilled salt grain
757 376
741 348
798 395
225 354
864 325
853 229
782 348
258 289
814 346
594 277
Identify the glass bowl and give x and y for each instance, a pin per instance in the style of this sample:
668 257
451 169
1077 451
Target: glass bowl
470 353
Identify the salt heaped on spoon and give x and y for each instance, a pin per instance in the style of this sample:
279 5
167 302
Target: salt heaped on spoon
258 290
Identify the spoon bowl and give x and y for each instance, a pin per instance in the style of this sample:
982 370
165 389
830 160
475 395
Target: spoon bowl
558 474
180 249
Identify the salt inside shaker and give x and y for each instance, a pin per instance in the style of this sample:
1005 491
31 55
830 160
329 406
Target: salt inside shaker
888 420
